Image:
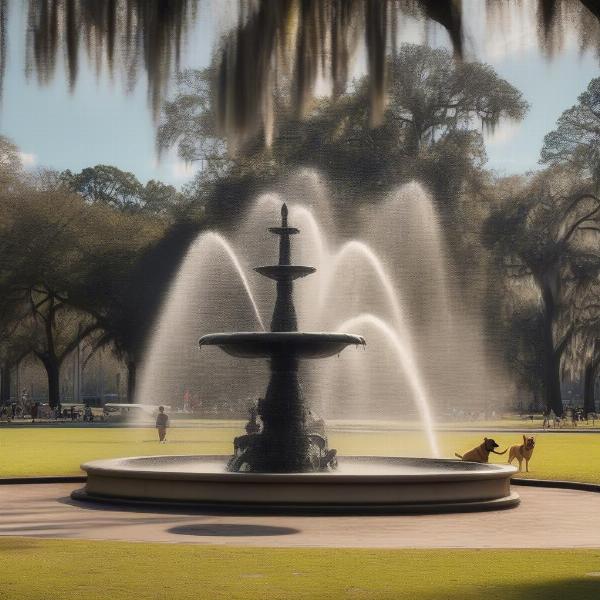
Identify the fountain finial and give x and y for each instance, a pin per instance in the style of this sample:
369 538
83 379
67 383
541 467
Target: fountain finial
284 214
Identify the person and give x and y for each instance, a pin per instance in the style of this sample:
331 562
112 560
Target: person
34 411
187 398
162 422
24 401
548 419
87 414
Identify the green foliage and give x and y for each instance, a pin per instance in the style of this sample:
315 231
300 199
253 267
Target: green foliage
106 286
121 190
430 131
11 167
576 140
432 95
545 237
188 122
67 265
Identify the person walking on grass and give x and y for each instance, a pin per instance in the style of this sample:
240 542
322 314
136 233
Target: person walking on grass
162 422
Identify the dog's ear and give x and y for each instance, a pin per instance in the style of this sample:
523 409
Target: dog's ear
485 439
524 438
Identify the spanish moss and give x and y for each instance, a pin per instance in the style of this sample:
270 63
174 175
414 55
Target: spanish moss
125 34
282 53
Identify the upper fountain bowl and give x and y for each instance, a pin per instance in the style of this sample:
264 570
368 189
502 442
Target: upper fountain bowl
285 272
293 343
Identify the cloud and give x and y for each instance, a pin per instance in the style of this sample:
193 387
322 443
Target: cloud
28 159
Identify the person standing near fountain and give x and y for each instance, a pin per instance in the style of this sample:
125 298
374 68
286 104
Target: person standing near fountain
162 422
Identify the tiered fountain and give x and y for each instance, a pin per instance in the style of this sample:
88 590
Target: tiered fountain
284 461
292 440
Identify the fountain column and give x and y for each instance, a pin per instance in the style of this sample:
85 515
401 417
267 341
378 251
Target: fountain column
282 411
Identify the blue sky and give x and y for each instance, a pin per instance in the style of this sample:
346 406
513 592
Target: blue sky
550 86
100 123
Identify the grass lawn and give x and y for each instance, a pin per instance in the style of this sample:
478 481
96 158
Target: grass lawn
60 451
34 569
39 569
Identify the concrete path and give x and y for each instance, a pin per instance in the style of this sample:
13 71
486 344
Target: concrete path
546 518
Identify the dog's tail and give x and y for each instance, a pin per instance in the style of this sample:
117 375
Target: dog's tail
500 453
458 456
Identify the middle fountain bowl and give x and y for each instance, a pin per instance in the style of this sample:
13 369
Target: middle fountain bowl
267 344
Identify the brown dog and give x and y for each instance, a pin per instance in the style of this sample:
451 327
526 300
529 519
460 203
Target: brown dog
481 454
522 452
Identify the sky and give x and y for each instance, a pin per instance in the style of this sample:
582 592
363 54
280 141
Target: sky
99 123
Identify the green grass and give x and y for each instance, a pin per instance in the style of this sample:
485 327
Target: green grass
60 450
38 569
507 422
34 569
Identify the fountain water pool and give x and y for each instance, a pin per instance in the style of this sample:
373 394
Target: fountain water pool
285 461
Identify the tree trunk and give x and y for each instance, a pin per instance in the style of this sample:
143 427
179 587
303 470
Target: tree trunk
131 375
589 383
5 370
53 373
551 358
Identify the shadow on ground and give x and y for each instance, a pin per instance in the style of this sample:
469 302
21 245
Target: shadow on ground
587 588
232 530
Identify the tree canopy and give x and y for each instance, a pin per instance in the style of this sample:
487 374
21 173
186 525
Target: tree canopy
66 272
546 236
432 94
576 139
431 130
105 184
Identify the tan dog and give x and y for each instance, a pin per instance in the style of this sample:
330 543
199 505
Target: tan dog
481 454
522 452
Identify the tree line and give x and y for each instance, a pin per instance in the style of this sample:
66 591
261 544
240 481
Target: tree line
81 259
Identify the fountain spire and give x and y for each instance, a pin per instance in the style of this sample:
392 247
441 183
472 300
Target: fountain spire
284 313
285 252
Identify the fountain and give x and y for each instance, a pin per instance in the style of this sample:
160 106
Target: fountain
291 440
284 462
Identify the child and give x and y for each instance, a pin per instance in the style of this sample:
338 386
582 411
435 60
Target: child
162 422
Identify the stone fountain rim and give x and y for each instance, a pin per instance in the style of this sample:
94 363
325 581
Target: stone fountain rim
116 467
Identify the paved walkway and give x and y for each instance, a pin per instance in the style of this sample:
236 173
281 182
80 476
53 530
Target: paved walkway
546 518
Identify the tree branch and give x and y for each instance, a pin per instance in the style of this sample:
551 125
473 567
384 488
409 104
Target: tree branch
587 216
75 341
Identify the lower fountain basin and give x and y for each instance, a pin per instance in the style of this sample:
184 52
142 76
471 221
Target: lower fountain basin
293 343
361 484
